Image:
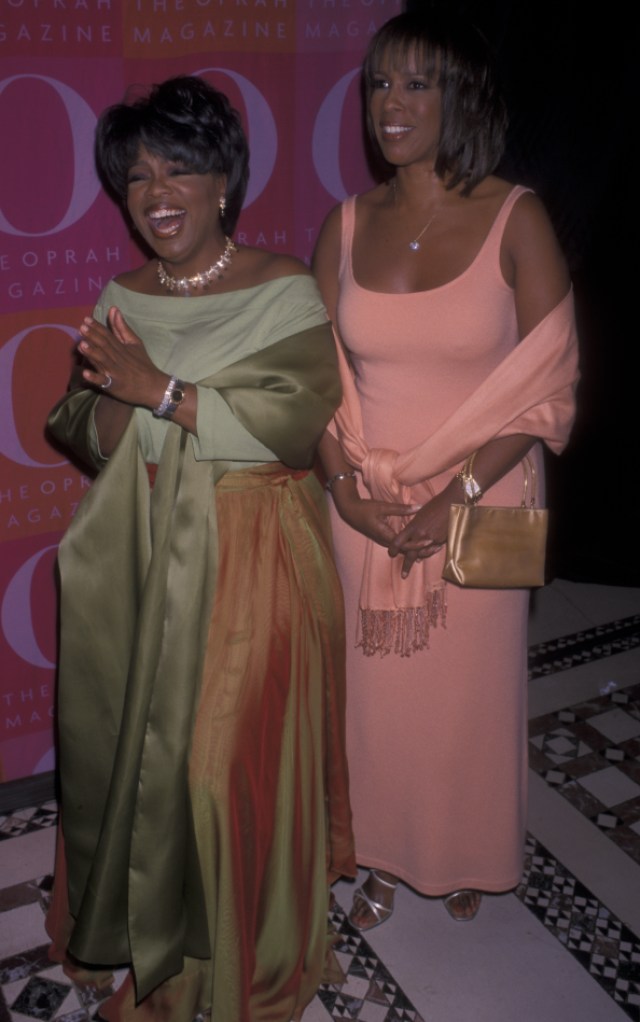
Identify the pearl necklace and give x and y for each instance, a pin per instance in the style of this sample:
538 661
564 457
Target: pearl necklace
186 284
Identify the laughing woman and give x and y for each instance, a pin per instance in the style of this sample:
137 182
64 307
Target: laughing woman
204 787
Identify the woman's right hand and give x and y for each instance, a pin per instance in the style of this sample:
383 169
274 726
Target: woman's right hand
372 517
118 362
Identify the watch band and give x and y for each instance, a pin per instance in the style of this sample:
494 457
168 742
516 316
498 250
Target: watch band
173 397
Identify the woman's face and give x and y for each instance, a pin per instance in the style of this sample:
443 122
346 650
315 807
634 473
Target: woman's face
176 211
405 110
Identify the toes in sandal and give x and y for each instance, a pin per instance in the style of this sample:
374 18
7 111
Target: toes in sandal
361 900
463 905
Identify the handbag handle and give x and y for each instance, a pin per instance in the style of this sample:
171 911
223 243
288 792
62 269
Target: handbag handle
530 477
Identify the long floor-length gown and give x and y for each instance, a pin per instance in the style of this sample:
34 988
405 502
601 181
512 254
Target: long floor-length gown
205 802
436 741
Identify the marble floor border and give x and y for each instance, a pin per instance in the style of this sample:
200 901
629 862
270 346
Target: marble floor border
581 647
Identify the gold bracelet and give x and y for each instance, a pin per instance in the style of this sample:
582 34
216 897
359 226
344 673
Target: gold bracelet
334 479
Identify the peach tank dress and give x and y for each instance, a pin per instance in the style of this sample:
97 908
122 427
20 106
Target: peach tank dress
436 741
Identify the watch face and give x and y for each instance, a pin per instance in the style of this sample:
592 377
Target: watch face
177 395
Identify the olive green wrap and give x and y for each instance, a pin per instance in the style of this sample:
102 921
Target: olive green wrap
138 571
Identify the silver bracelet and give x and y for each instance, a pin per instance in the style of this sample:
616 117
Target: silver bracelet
334 479
173 397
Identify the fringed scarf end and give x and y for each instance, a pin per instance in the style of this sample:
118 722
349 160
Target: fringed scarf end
403 631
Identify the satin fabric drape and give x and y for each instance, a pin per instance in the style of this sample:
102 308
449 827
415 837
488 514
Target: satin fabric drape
267 775
138 582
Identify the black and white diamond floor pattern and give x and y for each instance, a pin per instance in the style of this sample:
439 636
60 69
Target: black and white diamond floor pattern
367 980
600 942
604 946
565 746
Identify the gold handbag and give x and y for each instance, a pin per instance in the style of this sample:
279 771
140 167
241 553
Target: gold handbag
497 547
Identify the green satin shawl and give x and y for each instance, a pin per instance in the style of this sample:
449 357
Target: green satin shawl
138 575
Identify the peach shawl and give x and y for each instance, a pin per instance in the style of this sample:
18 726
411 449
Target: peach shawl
531 391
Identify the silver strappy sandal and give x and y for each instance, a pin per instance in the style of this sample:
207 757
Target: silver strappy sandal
362 900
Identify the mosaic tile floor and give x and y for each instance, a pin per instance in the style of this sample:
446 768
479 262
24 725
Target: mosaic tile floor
32 988
587 753
601 943
590 753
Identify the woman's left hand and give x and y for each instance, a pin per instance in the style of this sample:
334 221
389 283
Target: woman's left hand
120 365
425 534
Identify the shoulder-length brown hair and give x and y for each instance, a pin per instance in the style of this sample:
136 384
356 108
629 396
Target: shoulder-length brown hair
456 58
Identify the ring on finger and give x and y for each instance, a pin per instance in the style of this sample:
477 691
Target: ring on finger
107 383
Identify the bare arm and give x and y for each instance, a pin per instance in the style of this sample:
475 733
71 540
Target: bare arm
370 517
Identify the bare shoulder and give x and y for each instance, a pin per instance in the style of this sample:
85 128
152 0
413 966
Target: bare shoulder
532 262
528 220
530 241
370 204
258 266
375 197
529 216
329 234
330 237
333 218
479 209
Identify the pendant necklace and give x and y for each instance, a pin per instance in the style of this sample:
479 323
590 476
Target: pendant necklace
415 244
186 284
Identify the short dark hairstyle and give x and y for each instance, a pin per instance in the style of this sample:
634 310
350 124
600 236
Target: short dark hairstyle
457 58
183 119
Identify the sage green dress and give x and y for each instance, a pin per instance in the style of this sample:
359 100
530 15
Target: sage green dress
201 705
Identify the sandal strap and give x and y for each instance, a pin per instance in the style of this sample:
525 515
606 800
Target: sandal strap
380 911
381 880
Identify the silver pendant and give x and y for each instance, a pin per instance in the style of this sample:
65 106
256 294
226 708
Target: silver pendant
414 246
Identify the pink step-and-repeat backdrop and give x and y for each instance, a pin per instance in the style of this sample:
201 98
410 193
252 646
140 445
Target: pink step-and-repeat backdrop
291 68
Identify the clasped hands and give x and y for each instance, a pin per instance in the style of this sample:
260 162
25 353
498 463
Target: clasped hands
423 536
119 363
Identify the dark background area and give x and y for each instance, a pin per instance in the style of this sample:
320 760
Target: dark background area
569 80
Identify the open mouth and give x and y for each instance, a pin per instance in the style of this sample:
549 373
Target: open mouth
393 132
166 222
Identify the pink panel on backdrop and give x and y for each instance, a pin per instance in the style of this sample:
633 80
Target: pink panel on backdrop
328 137
59 240
291 69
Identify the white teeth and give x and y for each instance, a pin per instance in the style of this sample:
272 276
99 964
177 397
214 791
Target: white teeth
161 214
394 130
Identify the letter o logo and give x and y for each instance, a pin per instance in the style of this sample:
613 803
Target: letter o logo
86 185
10 444
261 128
326 137
15 613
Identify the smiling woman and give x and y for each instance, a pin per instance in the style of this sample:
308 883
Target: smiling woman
453 305
204 792
405 111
